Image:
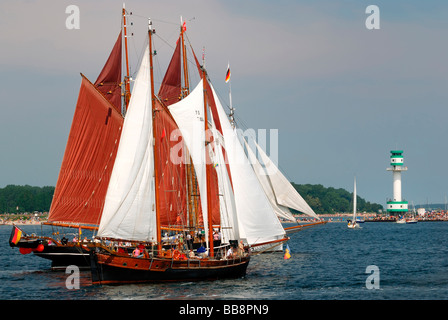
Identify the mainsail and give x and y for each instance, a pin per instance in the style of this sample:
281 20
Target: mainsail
354 200
88 160
91 148
181 172
172 175
129 210
228 213
189 115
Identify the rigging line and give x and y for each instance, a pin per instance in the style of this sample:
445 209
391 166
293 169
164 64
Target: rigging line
238 119
158 69
276 164
164 41
156 20
130 38
243 125
139 58
191 48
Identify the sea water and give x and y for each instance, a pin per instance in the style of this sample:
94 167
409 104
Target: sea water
380 261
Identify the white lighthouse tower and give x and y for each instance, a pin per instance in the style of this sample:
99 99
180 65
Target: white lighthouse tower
397 205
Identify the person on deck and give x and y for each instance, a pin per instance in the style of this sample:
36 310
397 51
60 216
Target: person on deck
136 253
229 253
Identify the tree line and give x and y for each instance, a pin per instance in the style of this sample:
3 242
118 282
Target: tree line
331 200
18 199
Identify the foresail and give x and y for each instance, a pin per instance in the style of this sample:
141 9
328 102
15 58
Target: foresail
258 222
285 194
281 211
129 211
189 116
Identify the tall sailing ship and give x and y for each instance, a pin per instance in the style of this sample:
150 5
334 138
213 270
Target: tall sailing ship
170 180
226 201
86 166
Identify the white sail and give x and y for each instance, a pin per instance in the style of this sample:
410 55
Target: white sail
129 209
258 222
354 200
285 194
282 212
228 213
189 116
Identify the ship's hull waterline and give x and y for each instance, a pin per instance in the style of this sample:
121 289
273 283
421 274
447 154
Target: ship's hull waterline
115 269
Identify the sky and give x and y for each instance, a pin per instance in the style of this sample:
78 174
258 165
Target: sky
341 95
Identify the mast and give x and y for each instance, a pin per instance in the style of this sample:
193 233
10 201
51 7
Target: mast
192 188
207 167
354 200
127 91
186 89
232 110
156 143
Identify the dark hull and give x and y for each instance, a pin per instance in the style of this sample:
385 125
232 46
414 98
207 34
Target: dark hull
61 256
114 269
61 253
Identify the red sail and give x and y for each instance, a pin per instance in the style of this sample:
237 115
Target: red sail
214 189
213 179
109 80
214 112
172 187
88 160
170 89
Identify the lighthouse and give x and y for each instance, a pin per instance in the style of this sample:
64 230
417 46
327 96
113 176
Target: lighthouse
397 205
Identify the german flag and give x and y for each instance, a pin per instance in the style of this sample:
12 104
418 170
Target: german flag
228 73
16 234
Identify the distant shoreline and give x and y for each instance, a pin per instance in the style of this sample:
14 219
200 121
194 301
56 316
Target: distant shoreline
21 223
21 219
24 219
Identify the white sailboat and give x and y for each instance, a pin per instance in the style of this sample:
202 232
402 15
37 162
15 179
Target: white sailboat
352 224
402 220
413 218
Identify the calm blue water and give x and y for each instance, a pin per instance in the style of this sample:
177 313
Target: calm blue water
328 263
